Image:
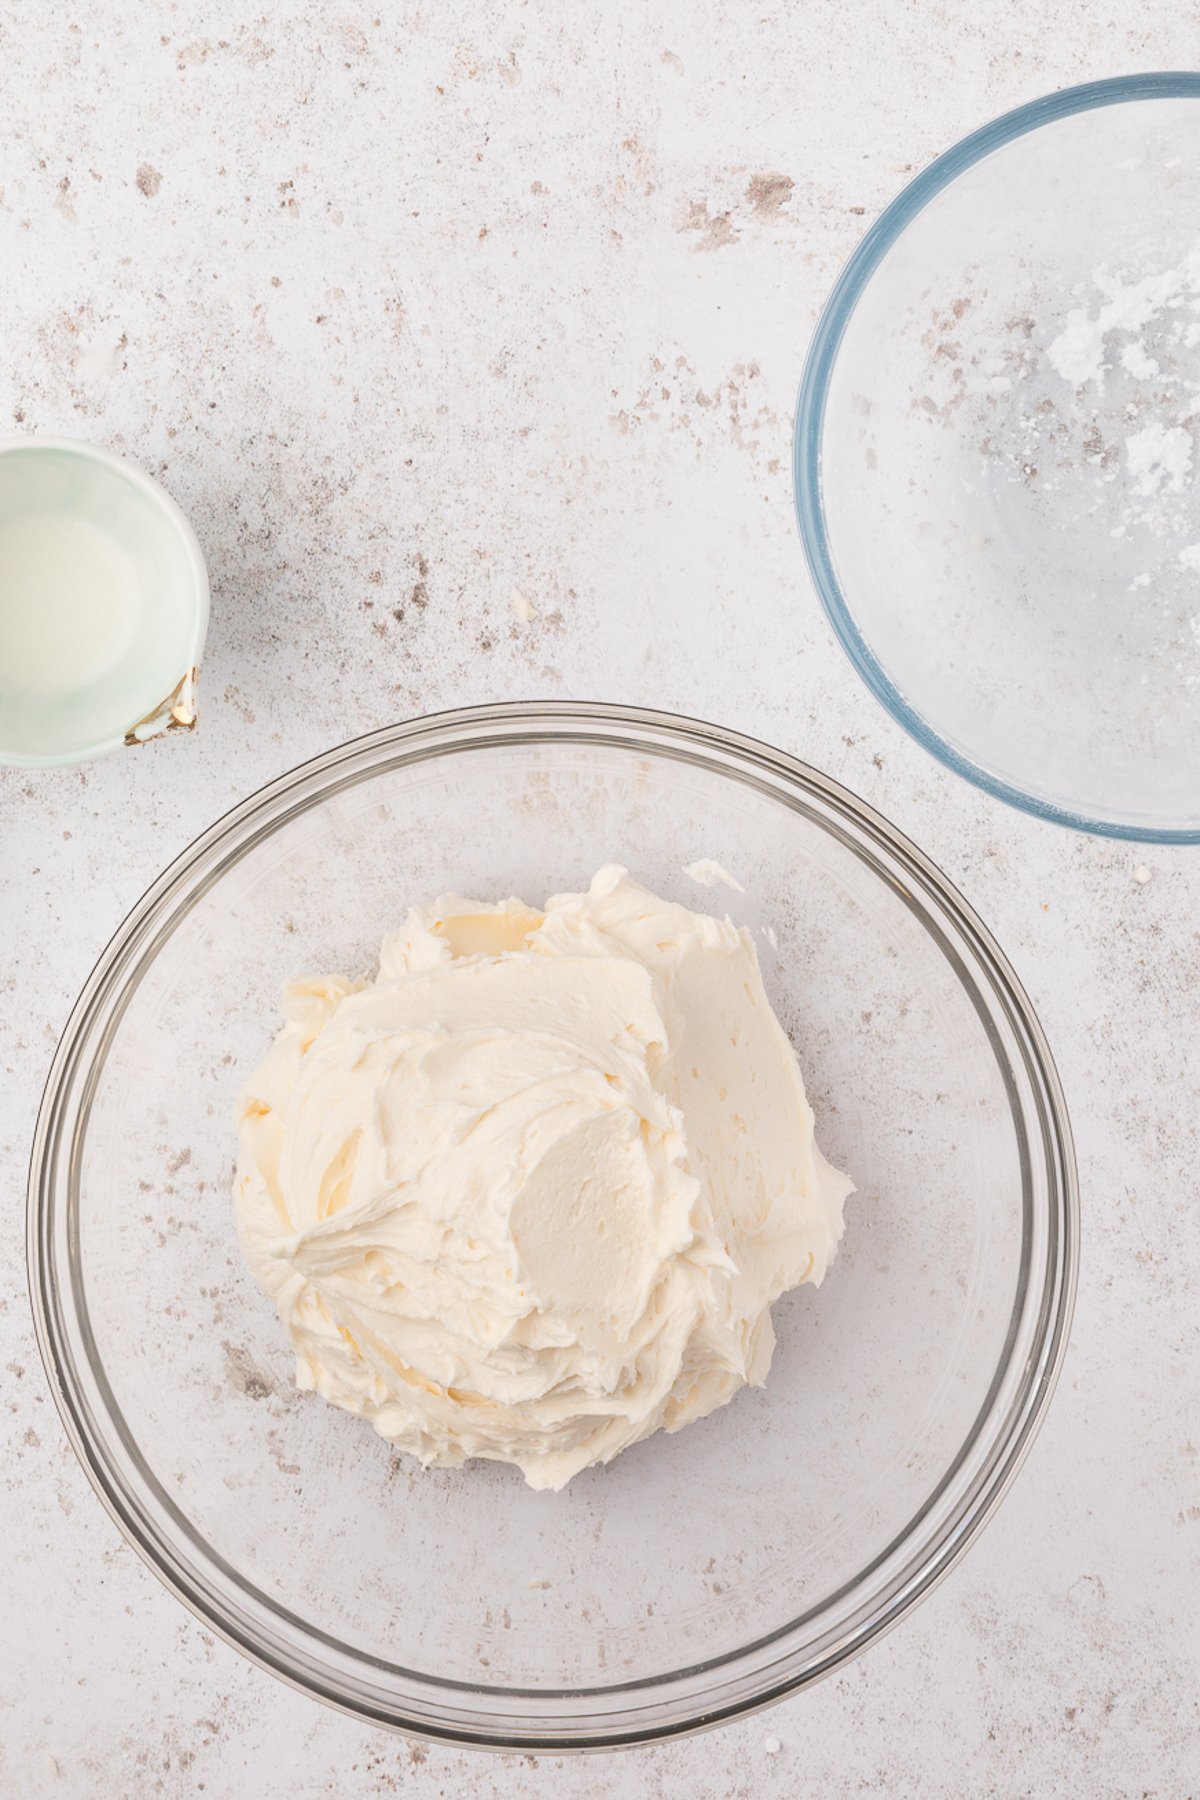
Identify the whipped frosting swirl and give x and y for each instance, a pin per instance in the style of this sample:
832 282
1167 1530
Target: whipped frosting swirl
530 1194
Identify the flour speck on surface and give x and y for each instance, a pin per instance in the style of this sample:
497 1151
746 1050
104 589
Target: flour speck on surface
1159 456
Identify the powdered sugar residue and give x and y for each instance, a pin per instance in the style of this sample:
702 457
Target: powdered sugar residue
1159 456
1079 353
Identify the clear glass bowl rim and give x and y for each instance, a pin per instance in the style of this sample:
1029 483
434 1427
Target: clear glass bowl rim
814 392
684 1701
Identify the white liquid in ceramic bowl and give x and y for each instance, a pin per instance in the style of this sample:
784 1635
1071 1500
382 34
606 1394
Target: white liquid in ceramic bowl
70 603
103 603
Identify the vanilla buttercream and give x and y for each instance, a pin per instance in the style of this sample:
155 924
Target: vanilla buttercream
530 1193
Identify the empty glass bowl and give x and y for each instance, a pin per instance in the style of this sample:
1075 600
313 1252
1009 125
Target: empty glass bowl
996 458
698 1575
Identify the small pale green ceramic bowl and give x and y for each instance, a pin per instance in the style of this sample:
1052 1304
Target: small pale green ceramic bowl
103 604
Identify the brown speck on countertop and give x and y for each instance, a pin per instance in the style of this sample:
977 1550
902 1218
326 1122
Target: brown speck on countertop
714 230
149 180
769 194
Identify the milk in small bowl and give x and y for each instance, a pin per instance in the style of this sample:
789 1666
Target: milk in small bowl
103 604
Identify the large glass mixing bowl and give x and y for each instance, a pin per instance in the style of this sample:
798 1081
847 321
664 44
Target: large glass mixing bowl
701 1574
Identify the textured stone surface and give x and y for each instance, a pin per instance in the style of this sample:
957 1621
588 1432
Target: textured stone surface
468 336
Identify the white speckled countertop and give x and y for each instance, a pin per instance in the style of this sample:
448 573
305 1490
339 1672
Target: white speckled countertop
468 337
